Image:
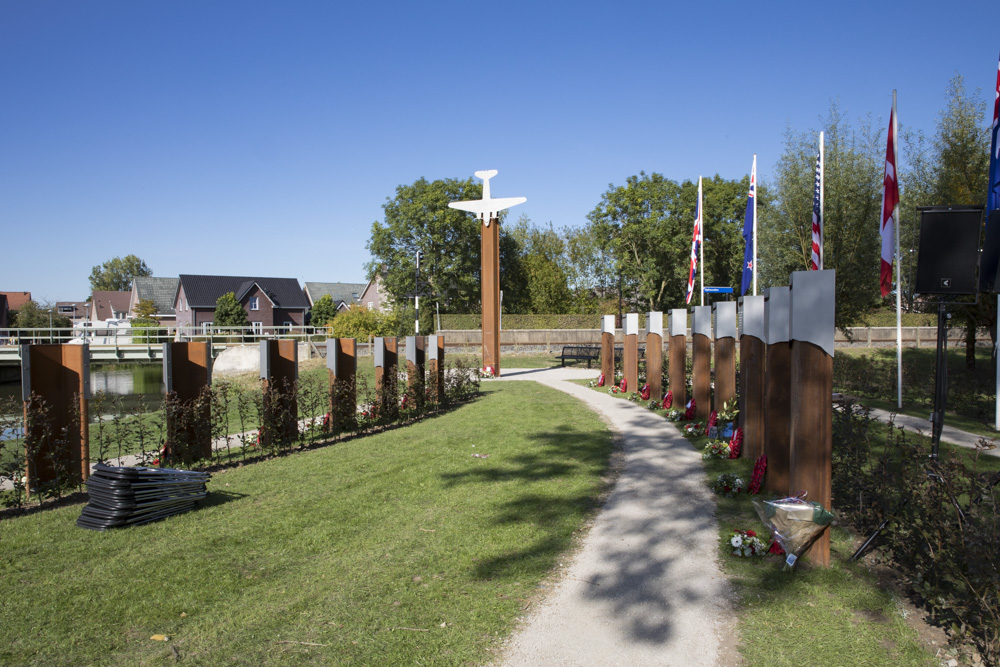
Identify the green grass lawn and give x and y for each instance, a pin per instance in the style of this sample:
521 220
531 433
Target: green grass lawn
869 374
397 548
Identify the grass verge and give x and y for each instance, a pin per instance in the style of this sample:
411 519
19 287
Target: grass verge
397 548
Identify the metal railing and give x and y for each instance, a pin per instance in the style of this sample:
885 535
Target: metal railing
126 335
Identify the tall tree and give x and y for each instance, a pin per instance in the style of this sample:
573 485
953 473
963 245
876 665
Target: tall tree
323 311
116 274
852 189
642 232
418 219
31 315
229 312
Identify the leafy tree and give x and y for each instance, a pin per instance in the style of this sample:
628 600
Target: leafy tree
229 312
146 310
641 231
323 311
854 161
31 315
542 261
117 273
418 219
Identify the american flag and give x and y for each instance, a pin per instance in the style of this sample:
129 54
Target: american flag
816 261
695 246
748 239
890 207
993 197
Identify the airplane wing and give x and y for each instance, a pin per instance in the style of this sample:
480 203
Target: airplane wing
487 207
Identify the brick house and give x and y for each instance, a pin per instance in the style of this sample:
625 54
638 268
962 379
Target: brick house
268 302
105 305
373 297
161 291
344 295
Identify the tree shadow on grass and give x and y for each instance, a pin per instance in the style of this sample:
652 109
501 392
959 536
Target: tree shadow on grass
636 565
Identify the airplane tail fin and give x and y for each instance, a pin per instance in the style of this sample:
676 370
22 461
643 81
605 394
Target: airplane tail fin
490 173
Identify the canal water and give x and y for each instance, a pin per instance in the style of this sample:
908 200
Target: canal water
134 383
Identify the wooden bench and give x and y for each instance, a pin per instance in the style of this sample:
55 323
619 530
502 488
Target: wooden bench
580 353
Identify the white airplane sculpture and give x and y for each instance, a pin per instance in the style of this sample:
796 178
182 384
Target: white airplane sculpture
487 207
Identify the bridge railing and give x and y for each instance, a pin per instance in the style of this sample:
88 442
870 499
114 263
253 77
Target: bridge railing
125 335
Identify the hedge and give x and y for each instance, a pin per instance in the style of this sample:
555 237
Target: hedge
472 322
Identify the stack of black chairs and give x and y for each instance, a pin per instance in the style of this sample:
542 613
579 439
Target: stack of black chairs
121 497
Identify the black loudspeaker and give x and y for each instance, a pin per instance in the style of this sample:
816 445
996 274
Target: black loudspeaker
949 250
989 265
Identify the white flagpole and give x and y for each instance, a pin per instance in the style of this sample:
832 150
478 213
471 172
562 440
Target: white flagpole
753 177
701 244
899 285
822 221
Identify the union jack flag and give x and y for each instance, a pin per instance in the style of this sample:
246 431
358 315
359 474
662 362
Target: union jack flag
695 246
993 197
816 261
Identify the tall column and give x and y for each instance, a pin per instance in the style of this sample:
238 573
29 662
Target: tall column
386 381
725 352
608 348
752 376
56 378
630 369
435 368
342 366
491 294
279 371
415 369
777 389
187 371
811 430
677 360
701 350
654 354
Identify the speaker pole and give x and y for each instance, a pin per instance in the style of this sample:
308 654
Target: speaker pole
940 381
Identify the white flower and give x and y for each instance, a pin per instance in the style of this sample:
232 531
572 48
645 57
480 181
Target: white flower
737 541
736 552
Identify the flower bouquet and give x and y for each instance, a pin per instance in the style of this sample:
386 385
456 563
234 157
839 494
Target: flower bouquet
623 386
653 405
668 400
757 478
487 373
615 389
729 484
689 412
795 523
600 380
716 449
746 544
644 392
736 444
675 415
713 419
692 429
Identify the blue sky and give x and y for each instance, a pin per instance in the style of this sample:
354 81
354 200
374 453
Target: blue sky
262 138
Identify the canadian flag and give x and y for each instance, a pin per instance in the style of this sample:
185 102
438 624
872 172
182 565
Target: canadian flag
890 207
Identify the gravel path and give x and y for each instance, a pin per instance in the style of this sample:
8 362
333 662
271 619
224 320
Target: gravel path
645 586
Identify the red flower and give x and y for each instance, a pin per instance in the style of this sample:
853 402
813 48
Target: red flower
712 418
736 443
624 385
644 393
689 413
776 549
600 380
750 533
757 478
668 400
